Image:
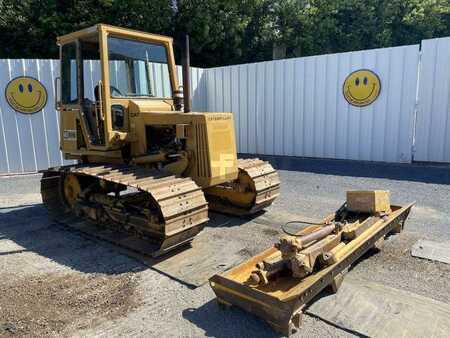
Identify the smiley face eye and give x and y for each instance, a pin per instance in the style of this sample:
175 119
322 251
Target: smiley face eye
357 81
30 87
21 88
366 81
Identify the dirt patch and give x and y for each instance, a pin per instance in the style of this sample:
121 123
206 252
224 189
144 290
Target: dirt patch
271 232
55 305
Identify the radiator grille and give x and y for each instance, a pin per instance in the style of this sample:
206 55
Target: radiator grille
203 167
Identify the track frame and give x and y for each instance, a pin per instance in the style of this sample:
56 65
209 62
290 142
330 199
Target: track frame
177 209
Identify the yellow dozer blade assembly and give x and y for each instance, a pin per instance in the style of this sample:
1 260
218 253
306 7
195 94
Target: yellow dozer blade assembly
277 283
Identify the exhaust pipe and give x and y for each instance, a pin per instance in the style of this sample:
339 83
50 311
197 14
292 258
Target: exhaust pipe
186 77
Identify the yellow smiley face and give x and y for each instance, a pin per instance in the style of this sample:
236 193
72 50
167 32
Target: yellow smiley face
26 95
362 88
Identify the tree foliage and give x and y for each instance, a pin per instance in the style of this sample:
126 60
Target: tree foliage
229 31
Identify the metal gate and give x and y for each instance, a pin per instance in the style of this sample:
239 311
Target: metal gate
433 112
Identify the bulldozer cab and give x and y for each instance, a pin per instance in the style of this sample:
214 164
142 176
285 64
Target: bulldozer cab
103 68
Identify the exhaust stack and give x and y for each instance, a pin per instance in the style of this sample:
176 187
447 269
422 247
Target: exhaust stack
186 77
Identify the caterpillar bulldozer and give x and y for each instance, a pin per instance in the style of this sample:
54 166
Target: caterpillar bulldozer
146 163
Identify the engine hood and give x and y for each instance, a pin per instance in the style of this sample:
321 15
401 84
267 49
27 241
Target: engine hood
146 106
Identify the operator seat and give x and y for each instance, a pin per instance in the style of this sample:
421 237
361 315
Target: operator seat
91 113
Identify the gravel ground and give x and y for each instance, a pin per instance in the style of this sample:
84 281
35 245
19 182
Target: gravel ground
61 283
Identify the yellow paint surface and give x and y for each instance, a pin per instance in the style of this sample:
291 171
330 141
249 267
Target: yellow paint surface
362 87
26 95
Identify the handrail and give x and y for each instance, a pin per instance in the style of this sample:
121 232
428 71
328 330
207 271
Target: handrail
56 84
100 104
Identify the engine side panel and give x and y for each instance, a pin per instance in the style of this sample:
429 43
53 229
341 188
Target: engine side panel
216 158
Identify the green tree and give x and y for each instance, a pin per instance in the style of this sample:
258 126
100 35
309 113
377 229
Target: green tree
345 25
216 29
407 22
30 27
229 31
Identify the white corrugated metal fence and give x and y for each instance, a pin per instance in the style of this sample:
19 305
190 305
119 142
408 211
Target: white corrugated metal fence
292 107
29 142
295 107
433 113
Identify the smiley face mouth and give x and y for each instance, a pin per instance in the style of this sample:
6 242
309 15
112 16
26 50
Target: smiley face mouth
27 107
363 99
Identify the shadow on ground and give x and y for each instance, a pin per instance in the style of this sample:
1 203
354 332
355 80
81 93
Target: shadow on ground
217 220
416 172
222 323
31 229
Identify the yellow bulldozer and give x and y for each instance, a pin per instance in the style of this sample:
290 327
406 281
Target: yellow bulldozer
146 164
